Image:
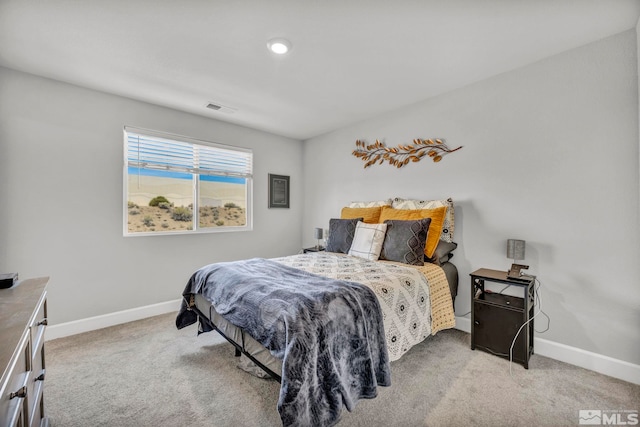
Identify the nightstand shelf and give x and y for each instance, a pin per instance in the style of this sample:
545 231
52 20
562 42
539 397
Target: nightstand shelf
496 318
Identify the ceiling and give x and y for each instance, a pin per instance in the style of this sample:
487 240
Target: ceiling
351 59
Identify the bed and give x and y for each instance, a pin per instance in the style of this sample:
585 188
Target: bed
327 324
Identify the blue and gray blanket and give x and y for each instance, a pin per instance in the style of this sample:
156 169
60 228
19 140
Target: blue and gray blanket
329 333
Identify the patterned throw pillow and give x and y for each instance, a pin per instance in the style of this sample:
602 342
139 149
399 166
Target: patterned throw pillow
405 240
435 228
370 204
367 242
449 220
341 232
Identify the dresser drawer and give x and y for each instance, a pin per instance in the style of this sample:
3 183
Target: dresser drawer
36 362
38 325
13 401
34 391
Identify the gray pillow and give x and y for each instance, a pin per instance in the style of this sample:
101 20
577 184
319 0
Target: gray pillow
443 253
405 240
341 232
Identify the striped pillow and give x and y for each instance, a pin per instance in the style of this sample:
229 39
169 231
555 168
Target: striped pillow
367 240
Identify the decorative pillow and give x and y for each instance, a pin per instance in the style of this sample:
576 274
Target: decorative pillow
368 240
443 252
341 233
439 261
405 240
447 228
370 204
435 228
370 215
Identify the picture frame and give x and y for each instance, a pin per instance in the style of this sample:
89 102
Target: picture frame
278 191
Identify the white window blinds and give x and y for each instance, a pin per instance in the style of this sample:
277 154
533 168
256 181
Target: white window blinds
148 151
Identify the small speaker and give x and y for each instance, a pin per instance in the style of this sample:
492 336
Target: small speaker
8 280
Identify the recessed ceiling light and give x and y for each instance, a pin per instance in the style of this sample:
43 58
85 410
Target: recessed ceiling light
279 46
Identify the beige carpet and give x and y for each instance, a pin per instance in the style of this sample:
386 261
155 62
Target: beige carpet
147 373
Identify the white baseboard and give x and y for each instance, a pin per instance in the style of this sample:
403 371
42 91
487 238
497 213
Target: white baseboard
463 324
575 356
586 359
111 319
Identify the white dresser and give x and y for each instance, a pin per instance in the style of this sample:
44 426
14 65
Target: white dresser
23 320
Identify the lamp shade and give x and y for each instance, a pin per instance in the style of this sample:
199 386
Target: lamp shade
318 233
515 249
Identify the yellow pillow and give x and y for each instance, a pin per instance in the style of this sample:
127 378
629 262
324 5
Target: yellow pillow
435 228
370 215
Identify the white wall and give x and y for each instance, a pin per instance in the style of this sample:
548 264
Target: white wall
61 198
550 156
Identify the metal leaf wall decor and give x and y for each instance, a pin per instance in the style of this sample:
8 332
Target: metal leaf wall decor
402 154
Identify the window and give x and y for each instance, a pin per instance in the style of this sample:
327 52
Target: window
176 184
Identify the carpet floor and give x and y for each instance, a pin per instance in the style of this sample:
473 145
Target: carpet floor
147 373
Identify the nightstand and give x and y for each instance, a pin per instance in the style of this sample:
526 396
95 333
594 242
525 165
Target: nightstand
496 317
313 249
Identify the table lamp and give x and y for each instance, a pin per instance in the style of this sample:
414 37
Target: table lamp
515 251
318 236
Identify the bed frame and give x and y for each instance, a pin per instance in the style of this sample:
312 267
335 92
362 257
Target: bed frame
240 347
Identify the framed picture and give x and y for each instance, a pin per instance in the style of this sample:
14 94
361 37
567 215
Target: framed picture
278 191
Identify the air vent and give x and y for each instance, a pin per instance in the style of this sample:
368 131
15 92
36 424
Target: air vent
221 108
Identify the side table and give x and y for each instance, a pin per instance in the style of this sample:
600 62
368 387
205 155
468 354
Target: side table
496 318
